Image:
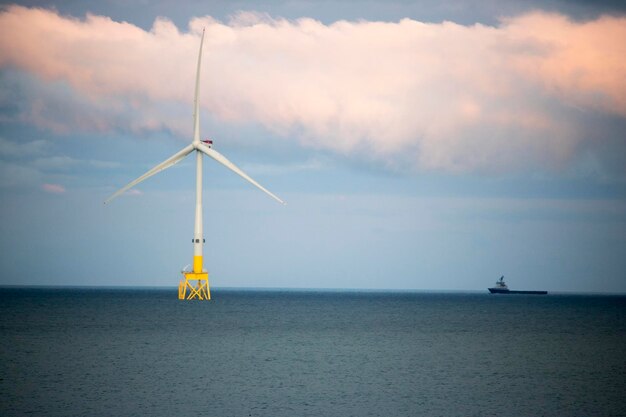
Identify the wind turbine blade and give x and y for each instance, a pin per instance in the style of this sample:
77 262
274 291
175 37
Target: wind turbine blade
222 160
196 103
163 165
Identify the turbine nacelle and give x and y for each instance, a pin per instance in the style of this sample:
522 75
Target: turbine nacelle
208 142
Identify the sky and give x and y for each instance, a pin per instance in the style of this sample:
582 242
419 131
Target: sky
431 145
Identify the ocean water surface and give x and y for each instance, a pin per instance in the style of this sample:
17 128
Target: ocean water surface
105 352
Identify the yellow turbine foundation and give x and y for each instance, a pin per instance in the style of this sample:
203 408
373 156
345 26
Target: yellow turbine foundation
196 283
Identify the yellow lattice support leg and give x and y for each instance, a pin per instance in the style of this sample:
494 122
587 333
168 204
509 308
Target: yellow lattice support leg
198 285
182 289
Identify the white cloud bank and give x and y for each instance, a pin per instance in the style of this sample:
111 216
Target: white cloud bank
410 95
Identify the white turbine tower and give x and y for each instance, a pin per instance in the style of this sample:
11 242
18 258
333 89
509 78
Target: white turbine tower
198 276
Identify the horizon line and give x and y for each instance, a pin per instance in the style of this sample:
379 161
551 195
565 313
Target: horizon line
285 289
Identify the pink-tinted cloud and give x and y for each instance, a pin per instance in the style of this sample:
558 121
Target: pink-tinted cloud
582 63
53 188
407 94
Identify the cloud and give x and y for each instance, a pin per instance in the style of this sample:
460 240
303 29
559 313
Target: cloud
66 163
407 95
282 169
14 149
53 188
25 163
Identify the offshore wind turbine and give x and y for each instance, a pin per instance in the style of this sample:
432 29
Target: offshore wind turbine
196 280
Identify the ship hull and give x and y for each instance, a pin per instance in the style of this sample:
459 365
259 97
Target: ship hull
501 291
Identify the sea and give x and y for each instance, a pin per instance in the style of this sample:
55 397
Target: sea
142 352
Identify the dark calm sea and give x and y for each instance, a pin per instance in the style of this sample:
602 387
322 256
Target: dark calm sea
104 352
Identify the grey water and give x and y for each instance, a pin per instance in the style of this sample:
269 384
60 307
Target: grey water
104 352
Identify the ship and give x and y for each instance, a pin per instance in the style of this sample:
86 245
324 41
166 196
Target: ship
501 288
